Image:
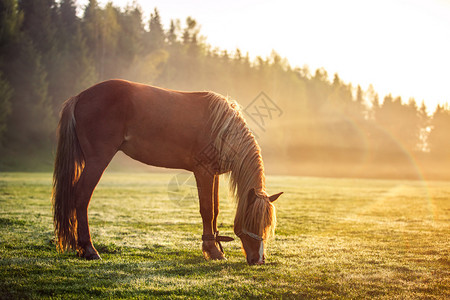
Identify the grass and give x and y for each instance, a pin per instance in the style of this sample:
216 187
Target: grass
336 239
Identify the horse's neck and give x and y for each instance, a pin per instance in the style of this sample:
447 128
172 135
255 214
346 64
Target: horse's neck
259 179
257 163
252 169
261 187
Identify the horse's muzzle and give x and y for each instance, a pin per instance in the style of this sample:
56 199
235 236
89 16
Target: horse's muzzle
256 261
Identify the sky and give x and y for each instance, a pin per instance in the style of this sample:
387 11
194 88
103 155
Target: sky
401 47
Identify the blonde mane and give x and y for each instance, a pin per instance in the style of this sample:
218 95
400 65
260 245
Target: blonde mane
240 155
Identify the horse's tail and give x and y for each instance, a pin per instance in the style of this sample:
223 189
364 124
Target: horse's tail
69 164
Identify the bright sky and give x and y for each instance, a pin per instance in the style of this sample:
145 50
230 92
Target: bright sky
400 46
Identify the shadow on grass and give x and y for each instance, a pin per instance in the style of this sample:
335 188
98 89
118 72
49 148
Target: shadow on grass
179 261
123 272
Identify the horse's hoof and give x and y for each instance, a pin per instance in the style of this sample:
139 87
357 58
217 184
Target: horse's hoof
89 254
210 252
213 256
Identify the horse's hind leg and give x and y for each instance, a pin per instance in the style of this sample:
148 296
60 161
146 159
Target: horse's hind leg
92 172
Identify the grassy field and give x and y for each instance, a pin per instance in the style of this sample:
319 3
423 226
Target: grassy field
336 238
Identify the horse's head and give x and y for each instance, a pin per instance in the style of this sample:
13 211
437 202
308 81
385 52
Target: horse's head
259 223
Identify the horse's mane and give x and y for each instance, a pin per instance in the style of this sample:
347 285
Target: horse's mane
240 155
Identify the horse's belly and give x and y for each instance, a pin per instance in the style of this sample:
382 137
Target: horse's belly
158 153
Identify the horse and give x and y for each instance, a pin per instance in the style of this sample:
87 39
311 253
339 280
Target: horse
201 132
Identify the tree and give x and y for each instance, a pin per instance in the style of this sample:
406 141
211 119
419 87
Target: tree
172 33
374 102
424 125
110 31
401 122
76 69
318 90
39 24
10 22
411 135
131 35
156 36
92 30
32 120
358 109
73 67
439 138
48 53
69 23
5 104
190 36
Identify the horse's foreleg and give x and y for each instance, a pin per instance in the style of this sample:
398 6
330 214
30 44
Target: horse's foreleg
85 187
205 186
216 203
216 211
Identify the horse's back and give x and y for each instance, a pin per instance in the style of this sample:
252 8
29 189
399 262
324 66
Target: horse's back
153 125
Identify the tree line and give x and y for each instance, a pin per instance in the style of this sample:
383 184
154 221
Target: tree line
49 53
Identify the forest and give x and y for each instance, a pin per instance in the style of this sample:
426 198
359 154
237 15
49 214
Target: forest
306 121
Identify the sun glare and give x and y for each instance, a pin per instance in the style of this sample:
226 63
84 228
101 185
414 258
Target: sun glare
400 47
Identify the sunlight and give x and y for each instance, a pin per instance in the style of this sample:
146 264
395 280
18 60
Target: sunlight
172 127
398 46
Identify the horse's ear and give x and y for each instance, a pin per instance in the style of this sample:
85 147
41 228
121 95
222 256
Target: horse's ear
251 196
274 197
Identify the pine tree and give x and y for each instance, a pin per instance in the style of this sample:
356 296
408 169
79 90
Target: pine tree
76 68
172 33
10 22
439 138
410 128
67 27
359 100
110 32
5 104
92 27
156 36
175 57
424 125
131 35
68 20
39 24
401 121
190 37
32 121
374 102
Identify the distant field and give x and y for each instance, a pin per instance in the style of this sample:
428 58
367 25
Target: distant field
336 238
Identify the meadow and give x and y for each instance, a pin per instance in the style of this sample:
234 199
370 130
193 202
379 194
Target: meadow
336 239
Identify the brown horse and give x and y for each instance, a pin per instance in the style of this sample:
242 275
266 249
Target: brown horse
201 132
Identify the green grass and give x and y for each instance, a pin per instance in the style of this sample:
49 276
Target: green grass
336 238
